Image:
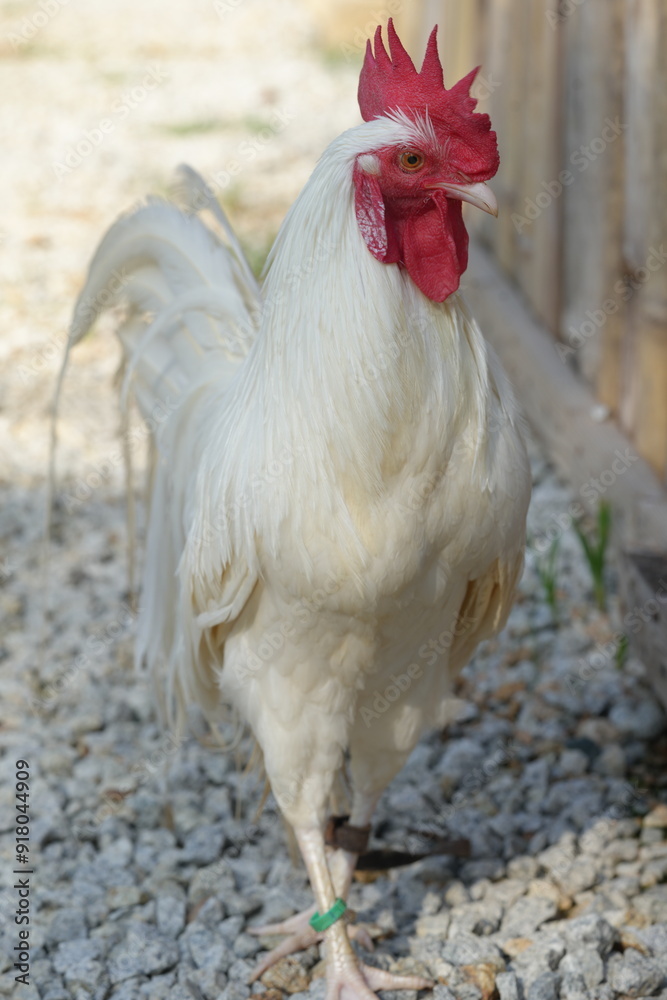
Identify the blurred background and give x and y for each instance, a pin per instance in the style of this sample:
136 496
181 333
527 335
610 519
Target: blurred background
102 101
577 90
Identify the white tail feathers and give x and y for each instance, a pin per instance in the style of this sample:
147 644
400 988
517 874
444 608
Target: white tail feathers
191 302
191 307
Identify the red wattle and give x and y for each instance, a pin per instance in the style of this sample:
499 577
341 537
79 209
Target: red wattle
371 212
429 240
434 247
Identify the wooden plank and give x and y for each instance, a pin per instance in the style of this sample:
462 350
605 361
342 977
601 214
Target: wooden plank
642 33
458 37
651 400
591 455
421 18
645 407
539 260
594 314
499 89
559 405
643 577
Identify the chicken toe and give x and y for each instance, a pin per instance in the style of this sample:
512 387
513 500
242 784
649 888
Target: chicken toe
298 941
349 979
300 936
293 925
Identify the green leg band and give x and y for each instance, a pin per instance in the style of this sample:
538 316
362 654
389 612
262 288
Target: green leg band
321 923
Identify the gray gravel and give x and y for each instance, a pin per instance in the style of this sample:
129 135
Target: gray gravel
150 864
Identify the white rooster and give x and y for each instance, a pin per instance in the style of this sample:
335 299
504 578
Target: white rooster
340 477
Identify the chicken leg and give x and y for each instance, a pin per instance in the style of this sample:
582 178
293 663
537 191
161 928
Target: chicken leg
341 865
347 978
301 935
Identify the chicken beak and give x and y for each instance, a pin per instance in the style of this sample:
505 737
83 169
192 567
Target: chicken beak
479 195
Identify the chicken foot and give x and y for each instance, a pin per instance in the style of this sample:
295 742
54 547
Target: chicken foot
301 935
347 978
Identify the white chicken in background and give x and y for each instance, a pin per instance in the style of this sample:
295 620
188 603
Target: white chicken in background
339 477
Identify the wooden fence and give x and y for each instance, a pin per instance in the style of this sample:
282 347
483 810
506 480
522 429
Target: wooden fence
577 92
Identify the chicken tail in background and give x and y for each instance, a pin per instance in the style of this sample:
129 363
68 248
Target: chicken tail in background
190 307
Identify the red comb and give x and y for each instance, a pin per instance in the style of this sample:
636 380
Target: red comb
391 83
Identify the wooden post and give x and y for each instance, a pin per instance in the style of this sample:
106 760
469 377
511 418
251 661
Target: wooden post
459 37
594 314
503 64
645 407
540 251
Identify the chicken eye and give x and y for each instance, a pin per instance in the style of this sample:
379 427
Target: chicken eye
411 161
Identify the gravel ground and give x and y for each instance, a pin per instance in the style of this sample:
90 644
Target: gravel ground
149 860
